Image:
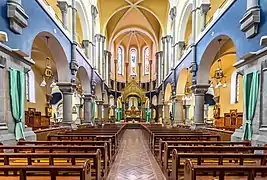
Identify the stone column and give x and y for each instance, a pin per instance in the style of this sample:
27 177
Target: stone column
180 49
105 66
126 72
79 113
158 68
199 91
140 72
204 8
87 105
115 86
63 6
3 124
160 113
186 114
106 112
150 82
251 20
103 39
85 46
178 116
109 69
98 45
67 90
168 54
100 112
173 18
18 19
74 65
94 14
163 40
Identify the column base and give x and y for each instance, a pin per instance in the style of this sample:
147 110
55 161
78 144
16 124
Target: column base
8 138
198 126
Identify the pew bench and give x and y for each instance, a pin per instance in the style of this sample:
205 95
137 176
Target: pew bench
55 159
212 159
52 172
62 149
162 144
193 172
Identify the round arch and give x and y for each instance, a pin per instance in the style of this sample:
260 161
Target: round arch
155 100
168 92
208 58
183 20
84 78
59 56
183 78
84 19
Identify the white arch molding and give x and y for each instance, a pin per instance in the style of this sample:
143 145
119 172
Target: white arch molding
81 11
84 78
187 9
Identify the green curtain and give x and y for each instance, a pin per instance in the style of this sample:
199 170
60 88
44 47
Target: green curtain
251 90
119 114
17 101
148 115
93 112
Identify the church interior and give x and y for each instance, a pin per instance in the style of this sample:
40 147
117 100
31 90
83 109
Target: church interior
133 89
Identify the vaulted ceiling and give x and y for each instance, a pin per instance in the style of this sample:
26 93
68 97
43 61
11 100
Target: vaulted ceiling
121 16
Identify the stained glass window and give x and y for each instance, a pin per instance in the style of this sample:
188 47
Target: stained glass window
146 61
120 60
133 57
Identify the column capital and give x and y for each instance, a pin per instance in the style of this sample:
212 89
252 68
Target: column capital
107 53
173 13
103 38
150 61
62 5
94 11
115 61
200 89
85 43
98 37
181 44
88 97
66 87
204 7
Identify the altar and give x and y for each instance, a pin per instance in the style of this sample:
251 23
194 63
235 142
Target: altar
133 100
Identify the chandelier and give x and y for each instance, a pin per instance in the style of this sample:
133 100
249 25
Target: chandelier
48 73
218 73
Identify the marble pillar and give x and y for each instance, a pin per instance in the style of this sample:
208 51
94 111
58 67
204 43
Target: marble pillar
67 90
158 65
100 112
94 14
186 114
88 100
199 92
173 13
168 54
163 62
79 113
63 6
103 39
106 112
204 9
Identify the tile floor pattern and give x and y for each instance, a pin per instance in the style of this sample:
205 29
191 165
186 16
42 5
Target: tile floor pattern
134 160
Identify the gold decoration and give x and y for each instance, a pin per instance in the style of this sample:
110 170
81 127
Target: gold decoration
133 89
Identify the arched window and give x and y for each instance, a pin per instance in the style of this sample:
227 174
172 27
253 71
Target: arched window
120 58
146 61
30 86
133 57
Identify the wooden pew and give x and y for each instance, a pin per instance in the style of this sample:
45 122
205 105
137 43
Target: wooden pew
191 171
51 159
182 137
235 158
196 143
87 137
62 149
72 143
83 172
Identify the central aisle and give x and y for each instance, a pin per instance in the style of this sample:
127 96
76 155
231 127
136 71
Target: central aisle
134 160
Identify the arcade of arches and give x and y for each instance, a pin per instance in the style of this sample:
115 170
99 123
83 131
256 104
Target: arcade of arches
157 65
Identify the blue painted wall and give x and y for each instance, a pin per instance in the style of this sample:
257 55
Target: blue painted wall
229 25
38 22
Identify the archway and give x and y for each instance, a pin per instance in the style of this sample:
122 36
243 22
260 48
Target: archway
225 84
42 94
186 18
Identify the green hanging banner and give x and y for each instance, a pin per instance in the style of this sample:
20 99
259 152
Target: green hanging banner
119 114
17 101
251 90
148 115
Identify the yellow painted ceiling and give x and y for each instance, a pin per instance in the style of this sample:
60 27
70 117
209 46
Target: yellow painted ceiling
149 15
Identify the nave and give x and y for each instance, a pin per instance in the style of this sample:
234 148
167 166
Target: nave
135 160
133 152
